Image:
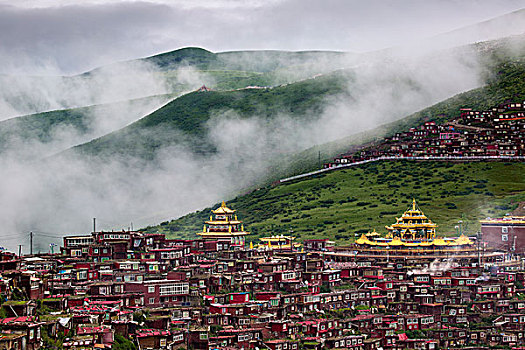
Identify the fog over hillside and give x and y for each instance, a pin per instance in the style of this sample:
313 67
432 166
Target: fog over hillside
60 194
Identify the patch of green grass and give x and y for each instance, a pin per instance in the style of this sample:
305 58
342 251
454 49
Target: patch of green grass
342 204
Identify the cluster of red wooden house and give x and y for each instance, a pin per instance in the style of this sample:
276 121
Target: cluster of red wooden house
498 132
174 294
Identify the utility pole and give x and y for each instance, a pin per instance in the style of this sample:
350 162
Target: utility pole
94 225
19 250
31 242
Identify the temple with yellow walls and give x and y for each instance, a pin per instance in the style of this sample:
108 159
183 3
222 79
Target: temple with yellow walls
278 243
224 228
412 229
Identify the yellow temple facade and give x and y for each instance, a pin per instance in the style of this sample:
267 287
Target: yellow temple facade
224 227
412 229
278 243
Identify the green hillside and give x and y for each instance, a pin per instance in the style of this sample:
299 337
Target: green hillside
343 203
42 127
453 190
504 84
184 120
505 78
253 61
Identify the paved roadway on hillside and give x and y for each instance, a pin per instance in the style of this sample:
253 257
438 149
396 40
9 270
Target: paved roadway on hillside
426 158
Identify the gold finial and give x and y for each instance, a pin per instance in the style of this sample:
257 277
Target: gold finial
251 244
235 217
211 218
229 228
242 227
204 228
413 204
223 205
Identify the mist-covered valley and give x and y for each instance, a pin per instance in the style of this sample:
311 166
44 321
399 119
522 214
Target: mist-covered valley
134 143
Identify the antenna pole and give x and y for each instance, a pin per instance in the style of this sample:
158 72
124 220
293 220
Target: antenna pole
94 225
31 242
19 250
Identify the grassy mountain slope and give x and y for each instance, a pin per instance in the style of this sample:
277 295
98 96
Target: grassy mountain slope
343 203
505 78
505 84
475 190
184 120
43 127
253 61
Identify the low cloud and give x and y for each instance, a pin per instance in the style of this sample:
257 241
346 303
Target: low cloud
61 194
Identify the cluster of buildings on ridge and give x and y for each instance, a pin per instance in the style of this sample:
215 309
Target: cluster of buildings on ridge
498 132
216 292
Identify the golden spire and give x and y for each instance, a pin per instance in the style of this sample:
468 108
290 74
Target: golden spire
413 204
211 218
235 217
229 228
242 227
251 244
223 204
204 228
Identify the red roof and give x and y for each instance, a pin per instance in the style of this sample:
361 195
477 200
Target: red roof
18 319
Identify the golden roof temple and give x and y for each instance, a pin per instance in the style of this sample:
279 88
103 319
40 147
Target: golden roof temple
413 224
278 243
412 229
224 228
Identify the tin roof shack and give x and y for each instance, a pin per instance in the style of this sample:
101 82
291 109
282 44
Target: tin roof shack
99 334
157 321
12 341
154 339
19 308
282 344
244 338
28 327
26 282
198 338
55 303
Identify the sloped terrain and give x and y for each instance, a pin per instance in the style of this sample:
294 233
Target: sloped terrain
345 203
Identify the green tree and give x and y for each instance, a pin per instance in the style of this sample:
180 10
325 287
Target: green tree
122 343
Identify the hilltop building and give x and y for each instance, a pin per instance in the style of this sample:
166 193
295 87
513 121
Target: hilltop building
225 228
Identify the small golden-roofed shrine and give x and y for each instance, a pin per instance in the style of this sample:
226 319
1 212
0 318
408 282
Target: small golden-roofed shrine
413 225
278 243
224 227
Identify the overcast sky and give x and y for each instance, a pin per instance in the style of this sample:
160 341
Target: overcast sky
71 36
